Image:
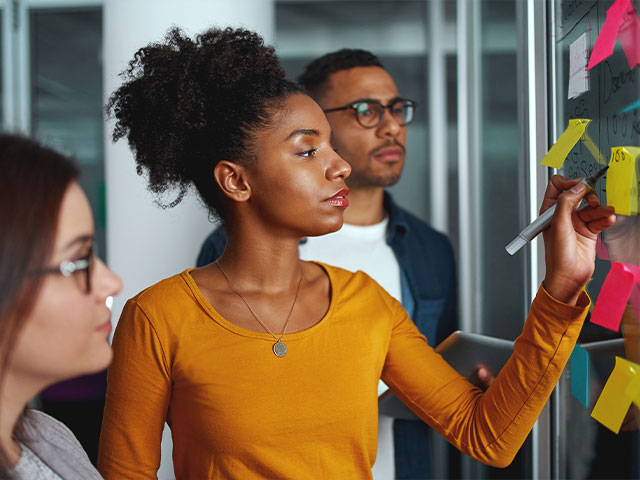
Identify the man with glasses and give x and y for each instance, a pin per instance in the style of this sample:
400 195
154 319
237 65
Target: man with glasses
413 262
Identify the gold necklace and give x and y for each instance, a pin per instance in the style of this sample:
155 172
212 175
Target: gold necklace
279 348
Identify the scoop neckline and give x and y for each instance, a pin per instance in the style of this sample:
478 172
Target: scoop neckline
245 332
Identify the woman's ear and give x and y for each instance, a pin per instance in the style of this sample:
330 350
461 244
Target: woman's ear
231 178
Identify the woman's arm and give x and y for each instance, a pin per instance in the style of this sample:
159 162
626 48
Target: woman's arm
138 393
492 426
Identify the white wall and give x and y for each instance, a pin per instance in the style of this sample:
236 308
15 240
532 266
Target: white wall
144 242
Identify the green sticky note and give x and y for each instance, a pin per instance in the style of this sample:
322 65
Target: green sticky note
580 375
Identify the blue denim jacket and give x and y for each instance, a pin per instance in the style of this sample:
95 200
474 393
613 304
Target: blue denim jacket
429 294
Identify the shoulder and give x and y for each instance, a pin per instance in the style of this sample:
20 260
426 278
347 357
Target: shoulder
56 445
39 423
356 286
419 227
162 306
166 290
417 230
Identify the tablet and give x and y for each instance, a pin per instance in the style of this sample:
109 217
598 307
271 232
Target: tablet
612 347
467 351
463 351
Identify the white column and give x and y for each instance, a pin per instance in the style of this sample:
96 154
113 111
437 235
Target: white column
438 153
144 242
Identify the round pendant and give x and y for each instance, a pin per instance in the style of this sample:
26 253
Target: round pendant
279 348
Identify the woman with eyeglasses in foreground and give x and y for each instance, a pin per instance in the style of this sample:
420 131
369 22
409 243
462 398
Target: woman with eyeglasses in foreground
266 366
54 322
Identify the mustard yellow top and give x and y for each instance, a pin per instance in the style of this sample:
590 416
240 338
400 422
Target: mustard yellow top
238 411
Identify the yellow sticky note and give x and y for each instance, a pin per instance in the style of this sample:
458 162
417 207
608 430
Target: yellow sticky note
593 148
633 390
622 180
558 152
613 404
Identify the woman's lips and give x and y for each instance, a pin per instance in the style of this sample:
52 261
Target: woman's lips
105 327
339 199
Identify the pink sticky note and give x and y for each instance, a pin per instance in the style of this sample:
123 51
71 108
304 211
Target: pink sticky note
607 38
629 35
613 296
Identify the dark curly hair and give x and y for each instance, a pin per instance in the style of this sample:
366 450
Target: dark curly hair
315 77
188 103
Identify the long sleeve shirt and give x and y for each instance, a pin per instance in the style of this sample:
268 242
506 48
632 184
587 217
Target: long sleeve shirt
238 411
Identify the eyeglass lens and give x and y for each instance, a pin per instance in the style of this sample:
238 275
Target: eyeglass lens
92 260
370 114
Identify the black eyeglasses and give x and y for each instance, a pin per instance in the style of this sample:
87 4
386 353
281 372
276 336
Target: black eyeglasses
68 268
369 113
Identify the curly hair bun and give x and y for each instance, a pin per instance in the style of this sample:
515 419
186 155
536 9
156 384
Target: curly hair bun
187 103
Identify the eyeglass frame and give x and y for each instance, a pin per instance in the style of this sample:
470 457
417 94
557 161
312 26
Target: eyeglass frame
354 106
69 267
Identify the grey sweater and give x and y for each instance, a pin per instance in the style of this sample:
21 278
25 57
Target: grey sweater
56 446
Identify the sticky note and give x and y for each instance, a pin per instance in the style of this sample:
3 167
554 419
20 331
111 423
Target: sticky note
629 35
578 74
606 40
614 294
613 403
580 374
622 22
633 389
622 180
593 148
559 151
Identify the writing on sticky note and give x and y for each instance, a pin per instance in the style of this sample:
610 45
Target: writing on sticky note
580 374
614 402
622 180
578 74
558 152
621 22
614 294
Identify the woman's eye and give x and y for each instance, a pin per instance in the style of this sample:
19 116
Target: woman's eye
308 153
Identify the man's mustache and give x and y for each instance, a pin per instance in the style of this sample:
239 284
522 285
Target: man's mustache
390 143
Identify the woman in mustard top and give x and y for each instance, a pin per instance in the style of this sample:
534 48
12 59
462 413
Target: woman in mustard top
266 366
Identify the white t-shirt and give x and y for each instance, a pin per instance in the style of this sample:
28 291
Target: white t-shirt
355 247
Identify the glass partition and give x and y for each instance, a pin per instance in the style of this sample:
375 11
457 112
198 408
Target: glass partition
584 447
66 94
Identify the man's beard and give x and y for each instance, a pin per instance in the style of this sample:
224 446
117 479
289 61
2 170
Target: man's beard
373 179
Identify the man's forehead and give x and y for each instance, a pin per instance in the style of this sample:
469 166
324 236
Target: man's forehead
361 82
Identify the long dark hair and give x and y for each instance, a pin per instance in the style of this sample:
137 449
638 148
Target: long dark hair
34 181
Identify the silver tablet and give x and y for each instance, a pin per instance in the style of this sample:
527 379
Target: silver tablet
467 351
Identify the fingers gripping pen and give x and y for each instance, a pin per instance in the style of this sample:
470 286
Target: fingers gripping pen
543 221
